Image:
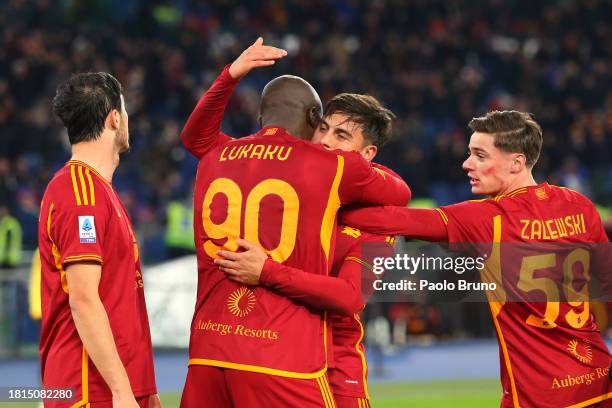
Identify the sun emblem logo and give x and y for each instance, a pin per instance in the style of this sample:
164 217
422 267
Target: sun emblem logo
582 351
241 302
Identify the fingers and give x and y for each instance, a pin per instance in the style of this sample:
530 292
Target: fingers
234 275
243 243
230 272
232 256
260 51
226 263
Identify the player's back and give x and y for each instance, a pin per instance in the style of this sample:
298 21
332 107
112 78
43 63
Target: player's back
551 352
283 194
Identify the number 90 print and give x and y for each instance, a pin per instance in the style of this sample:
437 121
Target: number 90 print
230 227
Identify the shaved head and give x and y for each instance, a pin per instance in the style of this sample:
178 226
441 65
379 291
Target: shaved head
291 103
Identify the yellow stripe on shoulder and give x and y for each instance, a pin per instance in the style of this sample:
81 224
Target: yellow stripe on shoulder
75 188
381 172
442 215
92 190
517 192
83 188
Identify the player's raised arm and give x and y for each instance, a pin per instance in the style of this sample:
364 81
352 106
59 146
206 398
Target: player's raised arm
425 224
365 183
202 131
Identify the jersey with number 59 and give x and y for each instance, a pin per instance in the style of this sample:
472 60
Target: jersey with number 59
546 244
283 194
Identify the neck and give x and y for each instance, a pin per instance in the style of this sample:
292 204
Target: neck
293 128
101 154
524 180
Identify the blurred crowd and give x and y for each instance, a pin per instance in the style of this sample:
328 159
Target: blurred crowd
436 64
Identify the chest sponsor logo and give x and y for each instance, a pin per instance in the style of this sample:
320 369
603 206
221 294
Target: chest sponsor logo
87 229
580 350
241 302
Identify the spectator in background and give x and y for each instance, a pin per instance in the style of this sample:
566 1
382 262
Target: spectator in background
10 239
434 65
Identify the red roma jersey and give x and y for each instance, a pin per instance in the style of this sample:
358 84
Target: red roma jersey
348 377
283 194
551 353
82 219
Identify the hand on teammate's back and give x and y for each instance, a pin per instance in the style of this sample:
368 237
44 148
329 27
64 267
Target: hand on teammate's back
257 55
243 267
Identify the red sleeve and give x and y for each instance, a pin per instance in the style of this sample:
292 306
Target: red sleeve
341 294
386 170
202 131
425 224
364 183
470 221
78 231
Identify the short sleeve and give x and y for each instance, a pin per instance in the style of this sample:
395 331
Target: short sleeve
364 183
77 229
468 221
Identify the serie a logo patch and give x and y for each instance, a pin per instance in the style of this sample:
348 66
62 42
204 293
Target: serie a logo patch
87 229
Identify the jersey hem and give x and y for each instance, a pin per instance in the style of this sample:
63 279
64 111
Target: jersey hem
592 401
258 369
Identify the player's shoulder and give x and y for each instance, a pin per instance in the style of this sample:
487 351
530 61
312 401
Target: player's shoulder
77 185
571 196
476 207
543 194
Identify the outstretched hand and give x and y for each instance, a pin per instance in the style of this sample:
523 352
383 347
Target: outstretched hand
257 55
243 267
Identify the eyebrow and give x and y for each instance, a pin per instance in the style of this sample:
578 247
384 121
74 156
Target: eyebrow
478 149
343 132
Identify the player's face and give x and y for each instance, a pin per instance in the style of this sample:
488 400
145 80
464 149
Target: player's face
336 131
122 138
488 168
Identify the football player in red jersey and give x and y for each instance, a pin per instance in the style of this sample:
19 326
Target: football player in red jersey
95 335
244 340
551 353
351 122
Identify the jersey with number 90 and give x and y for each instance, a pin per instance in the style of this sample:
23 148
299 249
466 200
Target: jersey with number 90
283 194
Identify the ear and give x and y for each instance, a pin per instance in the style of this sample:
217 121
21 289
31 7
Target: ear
518 163
369 152
313 117
113 120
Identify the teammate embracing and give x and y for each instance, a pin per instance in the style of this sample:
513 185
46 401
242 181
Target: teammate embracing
251 346
351 122
542 240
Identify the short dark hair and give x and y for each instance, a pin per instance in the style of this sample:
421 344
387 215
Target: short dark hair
84 101
513 132
367 111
